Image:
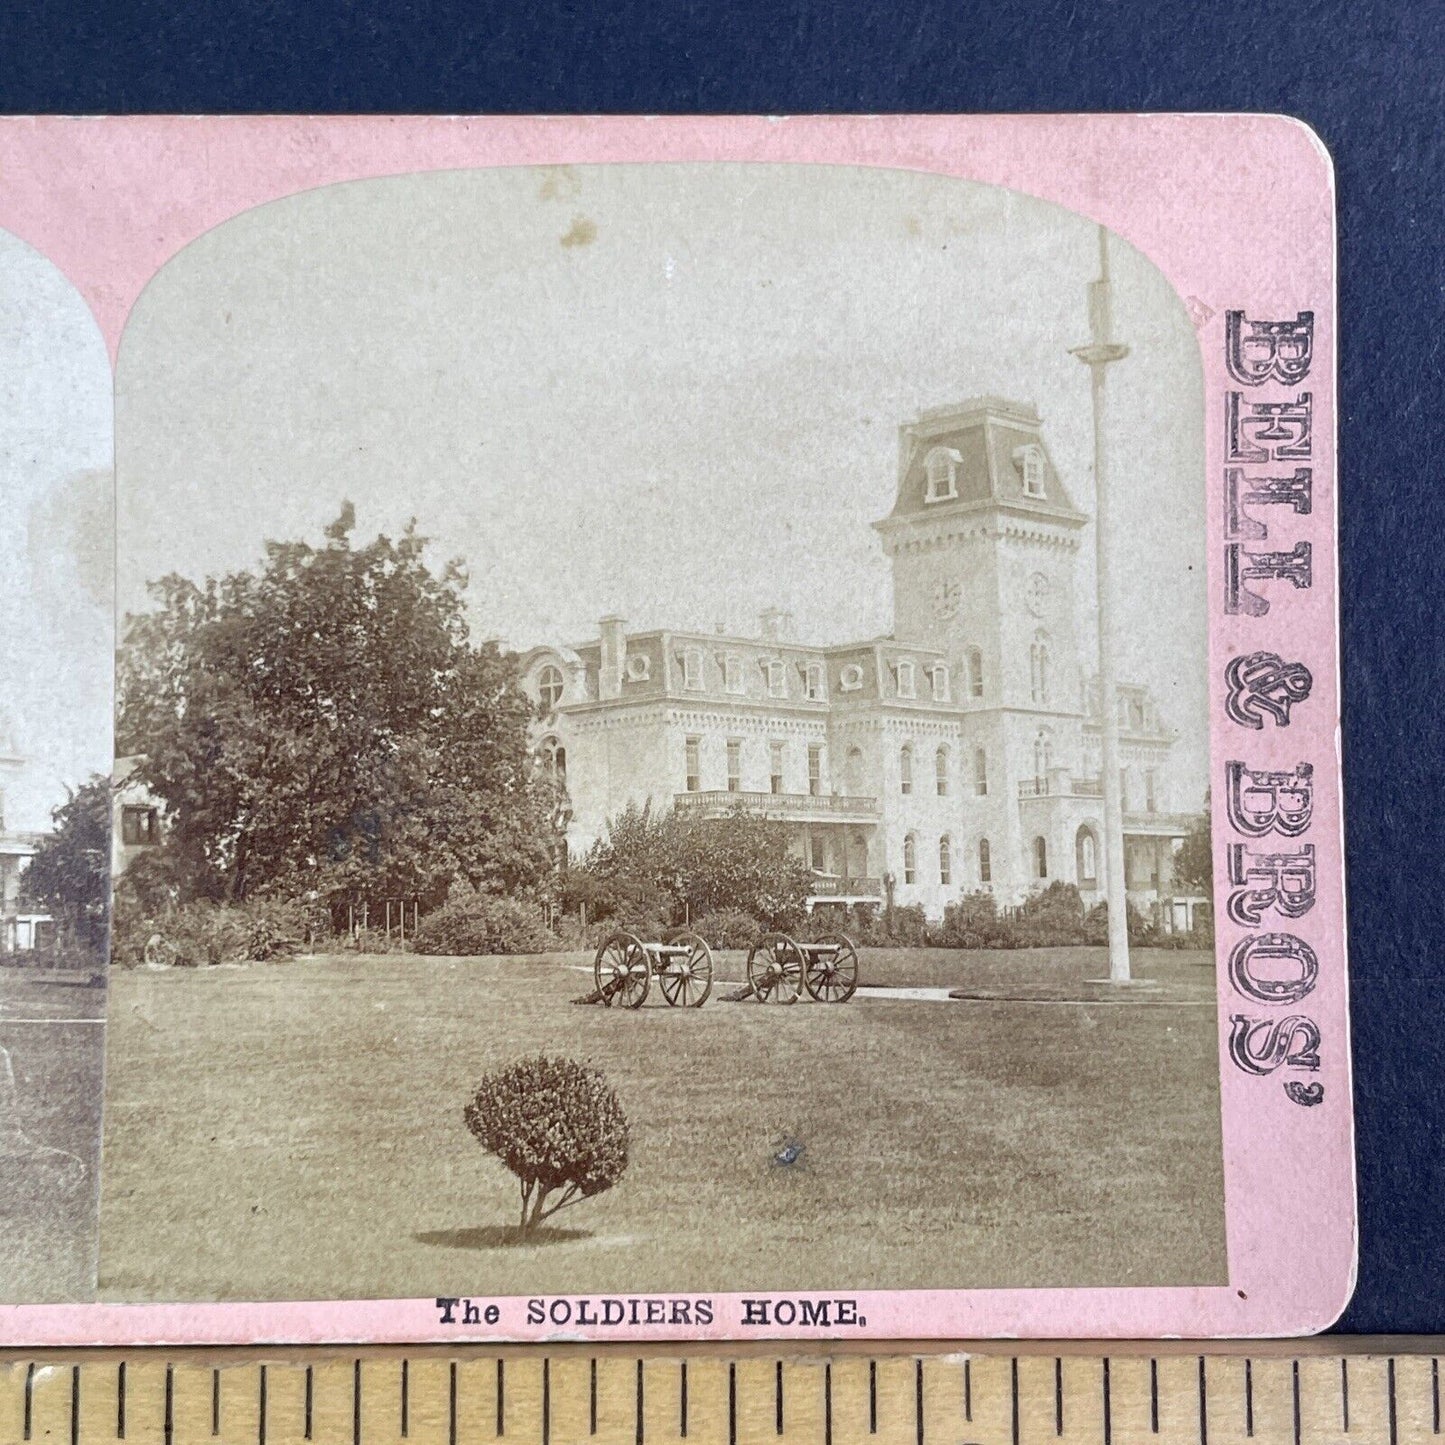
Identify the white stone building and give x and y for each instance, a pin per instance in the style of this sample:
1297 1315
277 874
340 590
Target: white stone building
960 752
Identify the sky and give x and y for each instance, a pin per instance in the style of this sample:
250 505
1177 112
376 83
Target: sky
56 608
667 392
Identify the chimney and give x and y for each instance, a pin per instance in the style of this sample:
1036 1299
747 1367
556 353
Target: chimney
775 624
614 653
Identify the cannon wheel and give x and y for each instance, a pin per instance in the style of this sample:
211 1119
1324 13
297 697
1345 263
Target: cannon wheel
686 982
775 968
622 970
833 980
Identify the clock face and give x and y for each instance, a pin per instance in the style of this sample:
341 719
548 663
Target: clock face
946 598
1036 595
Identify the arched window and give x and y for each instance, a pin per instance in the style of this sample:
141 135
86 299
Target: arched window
692 669
1043 755
941 467
549 687
941 683
905 769
940 771
910 859
1041 858
945 860
907 678
1030 462
980 773
1039 667
1087 858
985 861
552 760
973 661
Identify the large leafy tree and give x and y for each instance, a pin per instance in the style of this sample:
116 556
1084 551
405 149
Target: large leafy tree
1194 861
699 864
69 876
324 724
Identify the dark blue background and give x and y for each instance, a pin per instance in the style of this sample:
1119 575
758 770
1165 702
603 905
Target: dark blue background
1369 78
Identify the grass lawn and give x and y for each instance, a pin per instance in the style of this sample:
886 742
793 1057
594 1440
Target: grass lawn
52 1053
294 1130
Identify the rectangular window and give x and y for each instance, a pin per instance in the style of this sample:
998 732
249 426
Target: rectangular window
940 684
694 765
907 681
815 688
139 826
775 766
1151 796
815 770
735 765
816 853
692 670
777 680
733 673
980 773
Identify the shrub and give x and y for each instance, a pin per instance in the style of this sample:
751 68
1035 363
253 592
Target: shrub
729 928
557 1125
470 923
972 922
196 935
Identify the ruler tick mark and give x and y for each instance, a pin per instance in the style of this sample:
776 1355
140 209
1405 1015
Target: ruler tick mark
405 1398
75 1405
873 1395
501 1399
1294 1378
918 1403
682 1401
1153 1397
639 1402
778 1399
1204 1405
828 1403
452 1405
1058 1396
1390 1381
732 1405
546 1401
29 1394
120 1401
216 1402
309 1387
170 1420
1108 1406
1435 1396
1249 1397
967 1391
261 1410
593 1415
1345 1394
356 1402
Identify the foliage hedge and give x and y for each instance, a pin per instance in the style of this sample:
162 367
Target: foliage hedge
197 935
469 924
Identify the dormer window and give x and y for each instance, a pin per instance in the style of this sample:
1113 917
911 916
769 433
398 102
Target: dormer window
1030 462
813 682
907 678
733 673
549 687
941 684
692 670
941 468
777 680
851 678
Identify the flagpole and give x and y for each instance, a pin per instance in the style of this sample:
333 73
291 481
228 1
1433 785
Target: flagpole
1101 352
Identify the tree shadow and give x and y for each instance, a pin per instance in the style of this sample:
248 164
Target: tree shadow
500 1236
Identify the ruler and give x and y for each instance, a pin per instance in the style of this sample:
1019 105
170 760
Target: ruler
1307 1392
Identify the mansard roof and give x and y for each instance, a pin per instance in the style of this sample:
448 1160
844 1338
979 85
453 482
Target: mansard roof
986 438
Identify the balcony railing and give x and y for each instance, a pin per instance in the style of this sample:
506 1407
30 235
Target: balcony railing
808 805
829 886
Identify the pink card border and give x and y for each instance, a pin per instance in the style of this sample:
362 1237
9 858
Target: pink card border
1238 212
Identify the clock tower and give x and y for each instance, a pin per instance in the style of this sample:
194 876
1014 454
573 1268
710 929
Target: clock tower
983 538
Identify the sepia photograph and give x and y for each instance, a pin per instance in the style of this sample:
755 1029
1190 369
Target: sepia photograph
55 748
661 744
